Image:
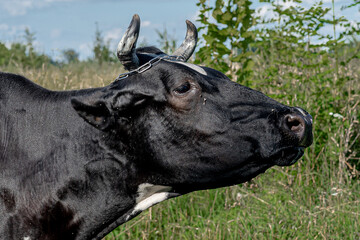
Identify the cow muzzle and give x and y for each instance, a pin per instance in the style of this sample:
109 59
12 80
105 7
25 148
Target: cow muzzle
298 125
296 129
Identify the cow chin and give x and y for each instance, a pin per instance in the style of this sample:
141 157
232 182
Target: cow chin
288 156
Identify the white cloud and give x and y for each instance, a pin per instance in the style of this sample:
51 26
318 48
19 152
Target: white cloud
51 1
38 46
17 7
20 7
288 4
194 17
4 27
354 24
113 34
85 50
55 33
14 33
145 24
326 1
8 44
265 12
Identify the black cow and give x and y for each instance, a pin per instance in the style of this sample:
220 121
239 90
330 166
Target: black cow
76 164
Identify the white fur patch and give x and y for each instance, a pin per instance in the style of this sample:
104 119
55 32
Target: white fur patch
146 190
194 67
149 195
151 201
27 238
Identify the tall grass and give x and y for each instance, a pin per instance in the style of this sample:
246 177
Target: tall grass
72 76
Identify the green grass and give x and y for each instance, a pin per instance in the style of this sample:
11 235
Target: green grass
317 198
275 205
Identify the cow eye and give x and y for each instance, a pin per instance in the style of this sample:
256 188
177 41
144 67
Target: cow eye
183 88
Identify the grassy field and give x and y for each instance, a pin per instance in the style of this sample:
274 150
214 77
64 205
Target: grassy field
317 198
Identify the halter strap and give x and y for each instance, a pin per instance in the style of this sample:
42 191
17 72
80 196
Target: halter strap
149 65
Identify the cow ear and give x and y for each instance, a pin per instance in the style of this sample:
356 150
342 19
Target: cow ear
135 96
126 103
117 105
96 114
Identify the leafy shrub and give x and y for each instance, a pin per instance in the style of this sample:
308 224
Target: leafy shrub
289 58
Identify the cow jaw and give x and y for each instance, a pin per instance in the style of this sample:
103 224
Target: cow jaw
288 156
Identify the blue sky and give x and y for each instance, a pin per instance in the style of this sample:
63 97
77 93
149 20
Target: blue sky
63 24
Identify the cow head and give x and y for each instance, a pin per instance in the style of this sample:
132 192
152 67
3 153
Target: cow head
190 127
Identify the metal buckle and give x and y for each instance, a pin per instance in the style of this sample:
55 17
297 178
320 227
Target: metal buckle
122 76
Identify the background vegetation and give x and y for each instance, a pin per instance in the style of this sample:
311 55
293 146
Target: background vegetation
288 58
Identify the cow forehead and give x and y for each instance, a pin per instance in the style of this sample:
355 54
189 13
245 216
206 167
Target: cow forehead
193 67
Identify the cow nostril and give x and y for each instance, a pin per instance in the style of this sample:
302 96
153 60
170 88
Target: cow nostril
294 123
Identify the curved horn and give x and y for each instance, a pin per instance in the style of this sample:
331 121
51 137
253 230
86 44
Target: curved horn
126 48
187 48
